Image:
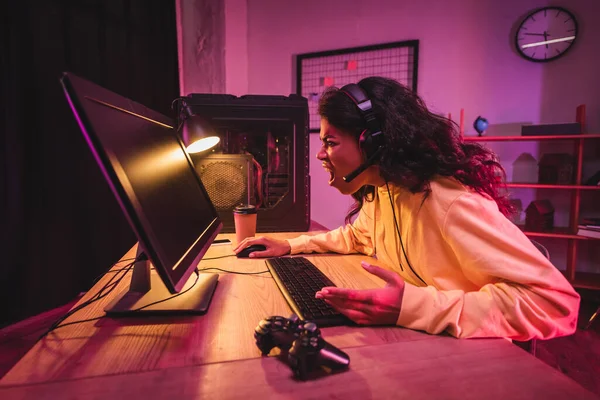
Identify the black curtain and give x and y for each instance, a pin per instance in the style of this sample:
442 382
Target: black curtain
60 223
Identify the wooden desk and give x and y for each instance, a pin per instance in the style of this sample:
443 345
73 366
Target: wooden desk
214 355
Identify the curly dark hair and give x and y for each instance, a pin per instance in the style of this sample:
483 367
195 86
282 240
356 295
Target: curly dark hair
418 143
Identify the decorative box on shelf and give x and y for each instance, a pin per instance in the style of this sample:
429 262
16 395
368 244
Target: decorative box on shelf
556 168
539 216
551 129
525 169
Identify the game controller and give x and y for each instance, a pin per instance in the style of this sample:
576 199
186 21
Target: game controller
302 340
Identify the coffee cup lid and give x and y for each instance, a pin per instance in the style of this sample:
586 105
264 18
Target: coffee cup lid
245 209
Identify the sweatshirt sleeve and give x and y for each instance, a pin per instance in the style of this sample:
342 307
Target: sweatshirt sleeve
521 296
350 238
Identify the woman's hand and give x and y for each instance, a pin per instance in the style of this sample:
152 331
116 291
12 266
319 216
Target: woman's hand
371 306
274 247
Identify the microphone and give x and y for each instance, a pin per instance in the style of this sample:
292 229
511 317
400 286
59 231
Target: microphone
350 177
361 168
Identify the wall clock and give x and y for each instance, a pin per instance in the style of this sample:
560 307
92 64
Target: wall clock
546 34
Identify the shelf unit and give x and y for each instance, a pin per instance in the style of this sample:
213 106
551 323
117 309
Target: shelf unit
577 279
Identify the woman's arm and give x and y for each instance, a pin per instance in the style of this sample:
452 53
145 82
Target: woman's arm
521 296
350 238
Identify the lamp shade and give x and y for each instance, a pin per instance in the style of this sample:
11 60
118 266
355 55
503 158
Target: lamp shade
201 135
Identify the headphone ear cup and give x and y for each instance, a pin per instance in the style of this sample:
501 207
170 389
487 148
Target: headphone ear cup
365 142
371 139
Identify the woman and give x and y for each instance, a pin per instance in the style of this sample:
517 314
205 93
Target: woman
431 208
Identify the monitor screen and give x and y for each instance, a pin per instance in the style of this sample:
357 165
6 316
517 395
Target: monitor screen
145 163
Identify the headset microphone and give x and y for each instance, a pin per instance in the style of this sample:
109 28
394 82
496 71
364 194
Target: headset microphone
350 177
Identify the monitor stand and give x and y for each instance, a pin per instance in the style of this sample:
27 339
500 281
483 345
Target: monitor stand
146 288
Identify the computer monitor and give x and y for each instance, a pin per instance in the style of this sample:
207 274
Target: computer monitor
152 176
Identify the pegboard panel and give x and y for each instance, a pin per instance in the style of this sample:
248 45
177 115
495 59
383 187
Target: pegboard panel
317 71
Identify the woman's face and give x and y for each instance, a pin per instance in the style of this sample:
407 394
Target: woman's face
340 155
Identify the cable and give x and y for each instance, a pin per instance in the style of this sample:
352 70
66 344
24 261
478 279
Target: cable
234 272
85 304
79 322
258 180
110 270
399 235
121 269
180 119
173 102
99 295
110 286
216 258
197 271
120 261
126 269
94 298
176 295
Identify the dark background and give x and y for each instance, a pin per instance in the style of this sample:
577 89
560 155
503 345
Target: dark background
60 223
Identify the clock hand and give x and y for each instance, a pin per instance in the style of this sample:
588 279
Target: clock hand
546 38
534 34
546 42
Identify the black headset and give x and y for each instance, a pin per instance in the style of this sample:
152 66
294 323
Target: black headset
371 140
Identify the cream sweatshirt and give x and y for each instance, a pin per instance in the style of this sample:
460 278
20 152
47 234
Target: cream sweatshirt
475 273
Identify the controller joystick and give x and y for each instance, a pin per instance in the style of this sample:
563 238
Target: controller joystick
276 331
310 350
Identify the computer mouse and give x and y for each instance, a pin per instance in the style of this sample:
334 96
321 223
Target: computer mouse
245 252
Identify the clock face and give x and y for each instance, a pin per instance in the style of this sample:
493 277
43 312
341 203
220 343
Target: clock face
546 34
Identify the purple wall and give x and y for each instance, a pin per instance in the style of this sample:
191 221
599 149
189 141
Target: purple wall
466 61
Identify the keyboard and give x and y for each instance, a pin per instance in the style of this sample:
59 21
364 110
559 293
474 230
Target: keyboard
298 280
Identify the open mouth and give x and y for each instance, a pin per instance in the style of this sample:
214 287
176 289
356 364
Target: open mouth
331 176
331 173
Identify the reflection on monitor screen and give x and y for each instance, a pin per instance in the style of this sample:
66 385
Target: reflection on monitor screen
154 181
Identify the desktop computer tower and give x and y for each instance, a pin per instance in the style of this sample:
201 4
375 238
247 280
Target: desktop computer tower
261 159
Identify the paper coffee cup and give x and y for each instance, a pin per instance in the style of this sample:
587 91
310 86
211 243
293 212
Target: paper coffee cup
244 217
